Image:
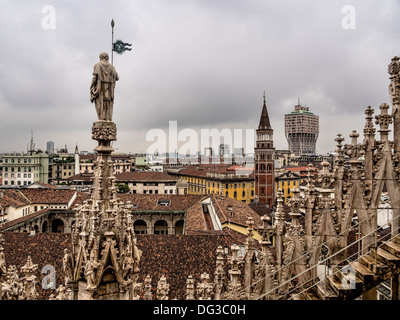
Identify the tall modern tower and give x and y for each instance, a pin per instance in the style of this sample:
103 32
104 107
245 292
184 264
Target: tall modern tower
264 160
50 147
301 131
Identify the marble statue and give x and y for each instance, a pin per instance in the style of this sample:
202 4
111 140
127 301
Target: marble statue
102 87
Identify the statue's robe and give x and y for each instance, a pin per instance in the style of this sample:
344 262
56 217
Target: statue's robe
102 89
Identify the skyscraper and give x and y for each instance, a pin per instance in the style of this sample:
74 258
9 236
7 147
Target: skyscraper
301 131
50 147
264 160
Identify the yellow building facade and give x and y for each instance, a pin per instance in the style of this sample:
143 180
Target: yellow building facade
287 182
223 181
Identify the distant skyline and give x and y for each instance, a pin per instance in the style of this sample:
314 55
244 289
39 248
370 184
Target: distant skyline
204 64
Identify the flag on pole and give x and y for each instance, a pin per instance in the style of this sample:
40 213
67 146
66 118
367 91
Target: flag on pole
120 46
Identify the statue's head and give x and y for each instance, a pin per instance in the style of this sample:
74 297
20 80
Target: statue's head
103 56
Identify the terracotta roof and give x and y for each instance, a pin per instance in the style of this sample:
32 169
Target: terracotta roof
201 170
234 211
12 197
144 176
49 196
177 257
45 249
14 222
80 177
40 185
261 209
193 172
150 202
195 222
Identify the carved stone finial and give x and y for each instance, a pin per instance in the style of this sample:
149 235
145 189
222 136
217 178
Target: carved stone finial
204 287
384 119
354 135
279 214
369 129
190 288
310 173
147 289
162 288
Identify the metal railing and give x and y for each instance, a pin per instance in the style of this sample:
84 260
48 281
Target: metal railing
307 254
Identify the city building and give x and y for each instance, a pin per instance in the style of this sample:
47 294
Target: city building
285 158
121 163
17 206
148 182
301 131
21 169
63 167
227 180
264 160
287 181
50 147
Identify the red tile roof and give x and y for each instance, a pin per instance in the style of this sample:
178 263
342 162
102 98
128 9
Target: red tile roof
81 177
177 257
239 213
14 222
201 171
149 202
45 249
12 197
145 176
48 196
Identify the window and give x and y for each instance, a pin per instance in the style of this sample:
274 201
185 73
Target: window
166 202
140 227
161 227
179 227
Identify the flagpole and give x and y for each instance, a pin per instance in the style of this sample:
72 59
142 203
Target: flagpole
112 40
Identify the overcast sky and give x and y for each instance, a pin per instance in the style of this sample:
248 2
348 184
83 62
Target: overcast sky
202 63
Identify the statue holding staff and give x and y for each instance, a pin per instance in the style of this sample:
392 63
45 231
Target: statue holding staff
102 87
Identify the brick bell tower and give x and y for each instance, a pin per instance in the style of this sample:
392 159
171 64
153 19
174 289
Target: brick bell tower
264 155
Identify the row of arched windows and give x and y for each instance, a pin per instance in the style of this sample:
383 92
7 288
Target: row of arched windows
160 227
140 227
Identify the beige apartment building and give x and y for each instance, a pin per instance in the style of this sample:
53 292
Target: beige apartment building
22 169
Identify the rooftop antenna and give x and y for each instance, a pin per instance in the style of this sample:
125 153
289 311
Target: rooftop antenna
32 145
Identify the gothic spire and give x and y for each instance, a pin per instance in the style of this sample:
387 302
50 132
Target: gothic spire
264 120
